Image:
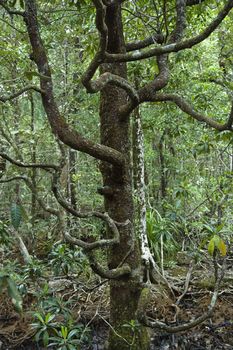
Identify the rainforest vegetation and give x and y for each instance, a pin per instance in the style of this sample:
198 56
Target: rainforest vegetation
116 167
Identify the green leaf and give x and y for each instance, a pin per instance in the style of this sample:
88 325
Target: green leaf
49 318
64 331
45 338
37 336
216 239
73 333
211 247
40 318
222 247
15 215
71 347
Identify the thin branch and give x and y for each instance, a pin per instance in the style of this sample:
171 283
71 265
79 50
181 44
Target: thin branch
187 108
103 41
105 273
32 165
187 281
147 92
20 92
13 27
174 47
142 44
177 34
103 216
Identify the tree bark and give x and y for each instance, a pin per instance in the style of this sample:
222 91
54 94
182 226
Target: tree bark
115 133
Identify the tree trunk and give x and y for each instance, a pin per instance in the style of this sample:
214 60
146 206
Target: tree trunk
125 292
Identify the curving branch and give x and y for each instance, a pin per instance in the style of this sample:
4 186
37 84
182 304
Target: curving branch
142 44
44 166
59 126
113 79
147 92
182 327
105 78
103 216
177 34
187 108
160 81
106 273
103 41
123 269
20 92
173 47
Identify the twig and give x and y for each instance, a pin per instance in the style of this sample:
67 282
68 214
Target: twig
187 281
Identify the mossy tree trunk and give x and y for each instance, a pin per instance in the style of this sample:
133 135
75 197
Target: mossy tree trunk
115 133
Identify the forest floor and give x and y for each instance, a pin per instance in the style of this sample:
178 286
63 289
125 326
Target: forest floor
90 306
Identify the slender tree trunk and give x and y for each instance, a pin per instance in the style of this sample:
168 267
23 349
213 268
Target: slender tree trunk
33 159
124 293
163 180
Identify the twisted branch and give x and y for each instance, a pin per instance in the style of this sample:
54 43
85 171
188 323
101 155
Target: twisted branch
59 126
20 92
44 166
173 47
187 108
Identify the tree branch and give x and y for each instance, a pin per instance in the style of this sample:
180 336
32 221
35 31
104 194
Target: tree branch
187 108
44 166
105 273
174 47
142 44
147 92
103 216
20 92
58 124
177 34
113 79
103 41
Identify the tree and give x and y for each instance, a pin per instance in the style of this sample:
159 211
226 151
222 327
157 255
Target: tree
127 271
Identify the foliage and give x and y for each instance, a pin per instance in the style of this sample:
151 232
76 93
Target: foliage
6 281
189 167
44 325
5 237
65 260
16 215
73 339
162 234
51 332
